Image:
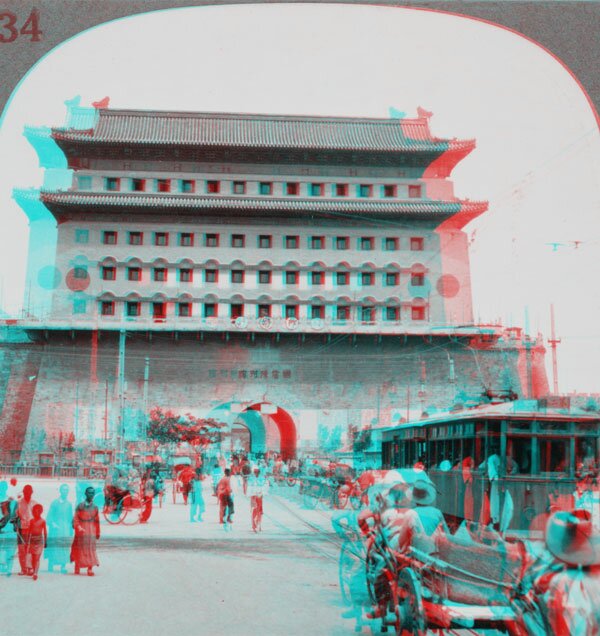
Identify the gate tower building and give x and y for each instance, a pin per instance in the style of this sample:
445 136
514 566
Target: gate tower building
282 270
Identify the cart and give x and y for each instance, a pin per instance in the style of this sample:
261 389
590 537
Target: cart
457 584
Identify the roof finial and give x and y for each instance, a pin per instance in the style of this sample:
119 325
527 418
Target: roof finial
396 114
103 103
424 114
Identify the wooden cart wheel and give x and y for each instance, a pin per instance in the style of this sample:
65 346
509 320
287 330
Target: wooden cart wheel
350 568
410 615
132 507
371 565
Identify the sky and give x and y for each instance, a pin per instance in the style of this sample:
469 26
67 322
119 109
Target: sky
537 159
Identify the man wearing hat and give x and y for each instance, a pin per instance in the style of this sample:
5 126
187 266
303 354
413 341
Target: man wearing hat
398 524
423 497
573 594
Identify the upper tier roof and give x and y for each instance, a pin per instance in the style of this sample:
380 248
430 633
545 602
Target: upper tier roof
249 206
261 131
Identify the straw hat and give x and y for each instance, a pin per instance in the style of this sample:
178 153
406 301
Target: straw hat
570 538
423 493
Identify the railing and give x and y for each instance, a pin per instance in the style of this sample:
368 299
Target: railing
243 324
34 469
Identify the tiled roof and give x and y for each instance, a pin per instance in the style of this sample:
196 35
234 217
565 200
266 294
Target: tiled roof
261 131
263 204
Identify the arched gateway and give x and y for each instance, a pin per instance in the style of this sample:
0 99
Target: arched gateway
257 418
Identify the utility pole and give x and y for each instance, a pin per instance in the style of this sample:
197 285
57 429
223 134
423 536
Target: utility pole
76 423
106 411
121 431
553 341
146 378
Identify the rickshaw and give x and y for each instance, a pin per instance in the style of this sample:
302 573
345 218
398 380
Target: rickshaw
97 466
475 579
181 465
119 498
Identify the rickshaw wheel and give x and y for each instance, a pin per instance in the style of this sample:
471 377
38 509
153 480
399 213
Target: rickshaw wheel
311 496
99 500
410 615
113 516
349 563
371 570
131 508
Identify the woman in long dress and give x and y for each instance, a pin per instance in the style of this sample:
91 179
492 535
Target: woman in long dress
86 523
60 530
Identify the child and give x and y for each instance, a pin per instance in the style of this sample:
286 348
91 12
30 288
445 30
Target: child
38 538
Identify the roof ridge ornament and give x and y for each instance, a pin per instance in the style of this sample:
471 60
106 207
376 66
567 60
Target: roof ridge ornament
103 103
424 114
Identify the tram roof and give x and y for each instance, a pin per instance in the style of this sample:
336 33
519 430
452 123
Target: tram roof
517 410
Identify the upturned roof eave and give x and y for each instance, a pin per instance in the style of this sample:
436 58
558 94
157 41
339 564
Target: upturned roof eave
192 203
412 147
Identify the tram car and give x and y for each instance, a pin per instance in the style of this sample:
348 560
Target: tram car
511 464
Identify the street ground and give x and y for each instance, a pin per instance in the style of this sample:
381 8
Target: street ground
174 577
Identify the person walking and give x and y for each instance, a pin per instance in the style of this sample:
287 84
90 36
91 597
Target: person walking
217 474
196 500
148 494
159 488
7 530
257 487
38 538
86 524
23 519
224 494
185 477
60 530
246 472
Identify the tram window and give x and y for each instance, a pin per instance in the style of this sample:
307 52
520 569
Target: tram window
493 433
558 427
467 449
455 454
518 456
586 455
519 426
434 455
554 455
468 444
480 454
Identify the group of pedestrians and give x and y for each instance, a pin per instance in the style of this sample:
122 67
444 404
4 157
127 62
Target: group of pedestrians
66 535
254 483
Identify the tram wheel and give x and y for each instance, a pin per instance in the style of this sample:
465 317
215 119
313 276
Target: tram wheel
410 615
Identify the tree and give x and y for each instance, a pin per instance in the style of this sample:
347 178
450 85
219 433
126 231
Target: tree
166 427
329 439
362 441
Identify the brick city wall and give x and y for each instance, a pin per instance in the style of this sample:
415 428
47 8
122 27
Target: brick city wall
62 386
